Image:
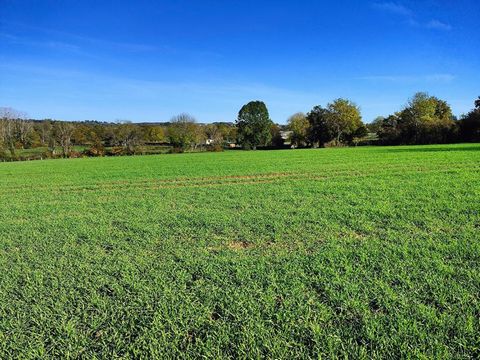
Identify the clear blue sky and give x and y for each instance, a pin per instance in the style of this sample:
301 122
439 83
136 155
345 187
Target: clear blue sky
149 60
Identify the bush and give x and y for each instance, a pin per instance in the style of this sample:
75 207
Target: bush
215 148
3 155
334 143
138 150
176 150
95 151
50 155
115 151
75 154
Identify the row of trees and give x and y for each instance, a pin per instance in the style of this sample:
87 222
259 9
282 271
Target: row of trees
427 120
424 119
18 133
59 137
338 123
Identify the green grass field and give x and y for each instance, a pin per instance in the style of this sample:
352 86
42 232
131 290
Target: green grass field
355 252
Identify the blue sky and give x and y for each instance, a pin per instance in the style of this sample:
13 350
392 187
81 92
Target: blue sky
149 60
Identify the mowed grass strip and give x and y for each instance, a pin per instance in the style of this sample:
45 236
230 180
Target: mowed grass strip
360 252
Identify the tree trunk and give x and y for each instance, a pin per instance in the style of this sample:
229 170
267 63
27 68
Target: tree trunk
11 147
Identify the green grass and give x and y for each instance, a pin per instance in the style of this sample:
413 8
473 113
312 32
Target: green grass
357 252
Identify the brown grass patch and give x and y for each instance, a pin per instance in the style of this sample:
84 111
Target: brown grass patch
239 245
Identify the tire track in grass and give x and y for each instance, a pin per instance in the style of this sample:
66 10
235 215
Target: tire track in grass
225 180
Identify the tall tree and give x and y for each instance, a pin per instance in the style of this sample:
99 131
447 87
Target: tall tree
298 124
376 124
470 124
343 118
229 132
24 130
358 135
338 122
318 132
214 134
277 139
129 136
254 125
425 119
45 131
9 128
183 132
389 132
63 133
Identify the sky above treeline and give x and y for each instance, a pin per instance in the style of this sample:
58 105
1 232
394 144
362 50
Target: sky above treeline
150 60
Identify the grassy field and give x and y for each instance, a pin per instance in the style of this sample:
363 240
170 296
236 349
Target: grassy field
356 252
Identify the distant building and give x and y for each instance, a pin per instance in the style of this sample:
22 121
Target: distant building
286 134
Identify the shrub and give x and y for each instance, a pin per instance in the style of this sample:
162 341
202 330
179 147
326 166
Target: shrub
75 154
95 150
215 148
115 151
176 150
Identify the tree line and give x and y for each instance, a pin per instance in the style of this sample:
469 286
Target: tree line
92 138
424 119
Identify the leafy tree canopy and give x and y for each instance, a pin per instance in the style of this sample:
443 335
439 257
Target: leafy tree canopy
254 125
183 131
298 125
470 124
338 121
343 117
423 109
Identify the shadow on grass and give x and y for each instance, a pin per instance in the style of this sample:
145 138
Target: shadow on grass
431 148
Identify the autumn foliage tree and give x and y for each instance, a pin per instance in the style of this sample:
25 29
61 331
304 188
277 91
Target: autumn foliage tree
8 118
424 120
183 132
298 124
337 123
63 132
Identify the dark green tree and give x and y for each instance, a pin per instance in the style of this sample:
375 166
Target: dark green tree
276 139
254 125
470 124
318 132
375 125
358 135
389 132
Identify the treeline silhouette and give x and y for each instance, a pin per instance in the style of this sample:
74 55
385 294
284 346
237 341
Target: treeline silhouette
424 119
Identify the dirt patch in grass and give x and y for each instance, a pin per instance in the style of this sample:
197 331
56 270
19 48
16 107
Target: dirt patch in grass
239 245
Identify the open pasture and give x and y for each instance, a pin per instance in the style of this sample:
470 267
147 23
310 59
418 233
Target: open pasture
359 252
